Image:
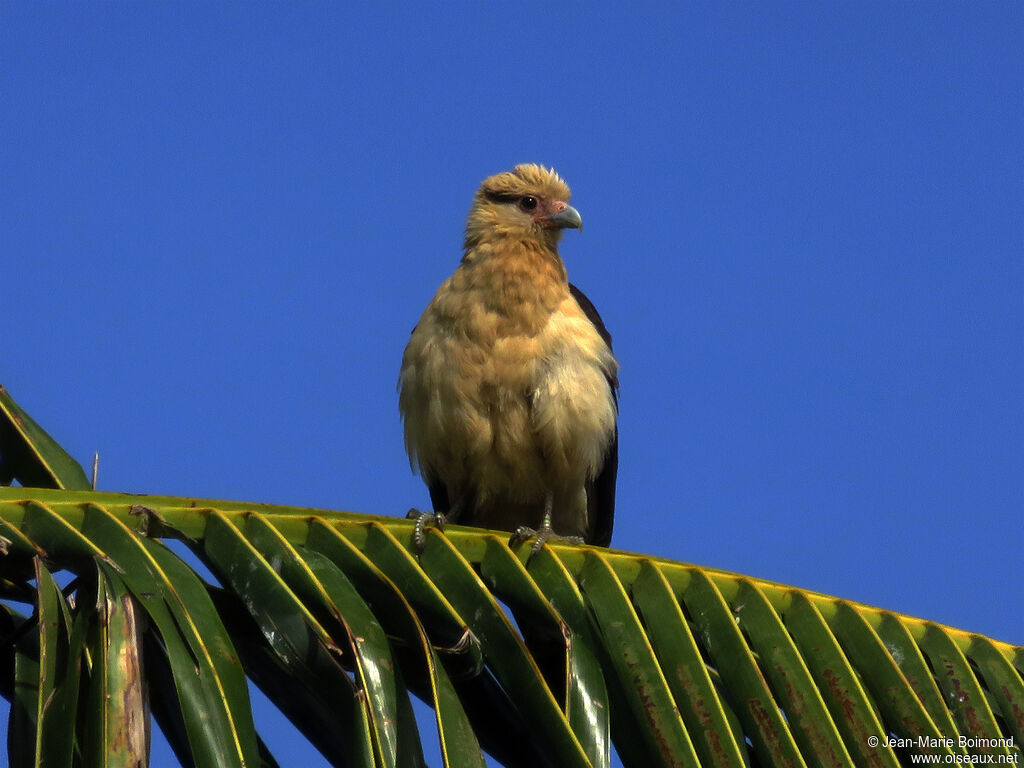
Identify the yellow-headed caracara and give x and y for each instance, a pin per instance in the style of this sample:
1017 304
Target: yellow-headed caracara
508 388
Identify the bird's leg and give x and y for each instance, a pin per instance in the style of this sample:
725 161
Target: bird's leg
419 534
543 534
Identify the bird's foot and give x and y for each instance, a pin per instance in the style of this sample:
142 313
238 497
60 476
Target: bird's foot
419 535
540 537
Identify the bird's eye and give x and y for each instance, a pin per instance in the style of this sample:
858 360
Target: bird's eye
528 203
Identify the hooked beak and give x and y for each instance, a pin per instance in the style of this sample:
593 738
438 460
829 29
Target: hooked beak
567 217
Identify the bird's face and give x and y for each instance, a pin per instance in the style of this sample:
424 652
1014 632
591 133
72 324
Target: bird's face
528 202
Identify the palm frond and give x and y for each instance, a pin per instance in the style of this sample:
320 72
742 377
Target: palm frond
337 620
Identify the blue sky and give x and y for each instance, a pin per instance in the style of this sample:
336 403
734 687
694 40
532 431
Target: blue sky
220 223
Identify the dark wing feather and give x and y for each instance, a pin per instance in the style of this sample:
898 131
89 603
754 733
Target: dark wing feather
438 495
601 493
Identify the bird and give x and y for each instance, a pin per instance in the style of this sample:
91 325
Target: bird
508 389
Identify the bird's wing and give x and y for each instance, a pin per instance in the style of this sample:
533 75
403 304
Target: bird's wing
601 493
438 495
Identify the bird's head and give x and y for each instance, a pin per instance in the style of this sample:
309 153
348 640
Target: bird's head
530 201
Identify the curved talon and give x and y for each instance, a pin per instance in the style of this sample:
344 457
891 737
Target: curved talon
419 535
521 534
541 537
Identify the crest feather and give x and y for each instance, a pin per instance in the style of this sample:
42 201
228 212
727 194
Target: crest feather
527 179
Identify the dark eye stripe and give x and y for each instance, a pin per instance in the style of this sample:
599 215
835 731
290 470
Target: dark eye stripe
501 197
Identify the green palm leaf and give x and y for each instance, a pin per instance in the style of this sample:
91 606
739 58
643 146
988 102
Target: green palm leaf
546 662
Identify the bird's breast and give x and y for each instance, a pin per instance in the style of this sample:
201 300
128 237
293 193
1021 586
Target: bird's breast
503 380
